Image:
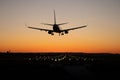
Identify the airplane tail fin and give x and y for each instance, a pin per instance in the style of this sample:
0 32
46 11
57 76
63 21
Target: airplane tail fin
54 17
54 21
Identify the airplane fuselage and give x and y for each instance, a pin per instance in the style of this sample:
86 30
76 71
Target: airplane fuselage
56 28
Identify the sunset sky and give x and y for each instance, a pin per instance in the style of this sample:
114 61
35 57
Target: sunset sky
101 35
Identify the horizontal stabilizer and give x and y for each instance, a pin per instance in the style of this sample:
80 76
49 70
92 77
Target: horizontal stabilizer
62 23
47 24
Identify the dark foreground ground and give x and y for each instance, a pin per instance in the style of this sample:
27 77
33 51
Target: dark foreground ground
59 66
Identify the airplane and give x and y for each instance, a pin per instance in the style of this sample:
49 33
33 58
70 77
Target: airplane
56 27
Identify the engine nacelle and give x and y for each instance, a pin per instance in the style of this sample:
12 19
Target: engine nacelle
66 32
49 32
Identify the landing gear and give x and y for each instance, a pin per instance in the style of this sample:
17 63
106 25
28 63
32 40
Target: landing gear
52 34
62 33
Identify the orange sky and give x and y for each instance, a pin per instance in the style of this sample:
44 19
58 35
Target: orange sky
101 16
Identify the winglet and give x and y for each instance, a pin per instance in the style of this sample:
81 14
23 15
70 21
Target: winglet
86 25
26 25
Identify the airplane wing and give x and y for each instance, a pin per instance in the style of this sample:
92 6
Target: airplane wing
40 29
74 28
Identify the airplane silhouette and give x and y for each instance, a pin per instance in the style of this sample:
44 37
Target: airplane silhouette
56 27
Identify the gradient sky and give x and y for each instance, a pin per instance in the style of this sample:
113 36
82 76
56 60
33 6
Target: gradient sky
101 16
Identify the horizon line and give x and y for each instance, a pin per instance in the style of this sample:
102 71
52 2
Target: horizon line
59 52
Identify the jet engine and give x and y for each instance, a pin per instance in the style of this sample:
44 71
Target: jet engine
50 32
